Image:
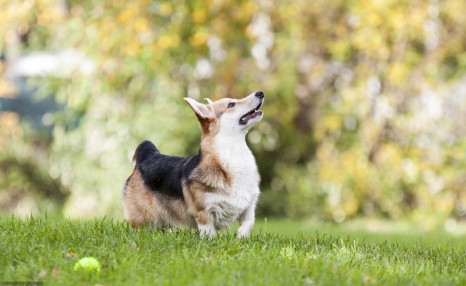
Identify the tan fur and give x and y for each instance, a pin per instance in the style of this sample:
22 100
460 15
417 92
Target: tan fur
211 173
194 197
202 217
137 202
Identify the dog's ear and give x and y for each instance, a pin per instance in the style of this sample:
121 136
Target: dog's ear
202 111
208 100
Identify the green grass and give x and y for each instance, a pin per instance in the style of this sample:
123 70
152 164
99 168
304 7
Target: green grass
369 231
38 249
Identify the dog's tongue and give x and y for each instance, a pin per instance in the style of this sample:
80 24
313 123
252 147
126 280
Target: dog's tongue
256 113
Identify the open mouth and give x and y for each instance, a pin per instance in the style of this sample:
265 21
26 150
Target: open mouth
251 114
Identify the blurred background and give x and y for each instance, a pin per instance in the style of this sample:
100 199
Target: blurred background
365 112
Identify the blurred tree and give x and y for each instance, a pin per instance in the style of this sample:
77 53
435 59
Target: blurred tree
363 98
25 183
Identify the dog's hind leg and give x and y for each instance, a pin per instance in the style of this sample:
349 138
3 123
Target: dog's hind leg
138 204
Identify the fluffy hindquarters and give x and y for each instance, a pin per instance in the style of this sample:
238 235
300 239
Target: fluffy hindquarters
143 207
138 204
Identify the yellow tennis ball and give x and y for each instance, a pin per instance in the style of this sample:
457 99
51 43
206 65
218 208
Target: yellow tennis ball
87 264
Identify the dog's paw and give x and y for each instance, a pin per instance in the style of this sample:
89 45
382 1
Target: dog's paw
243 232
207 232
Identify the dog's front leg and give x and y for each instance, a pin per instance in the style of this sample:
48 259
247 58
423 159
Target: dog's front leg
246 220
205 224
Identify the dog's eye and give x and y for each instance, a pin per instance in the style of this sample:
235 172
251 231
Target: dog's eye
231 104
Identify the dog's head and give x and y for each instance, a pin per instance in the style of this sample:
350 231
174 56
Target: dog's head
227 115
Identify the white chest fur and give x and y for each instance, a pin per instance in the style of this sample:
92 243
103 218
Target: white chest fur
227 205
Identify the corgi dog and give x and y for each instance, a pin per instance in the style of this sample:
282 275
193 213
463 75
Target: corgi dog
208 191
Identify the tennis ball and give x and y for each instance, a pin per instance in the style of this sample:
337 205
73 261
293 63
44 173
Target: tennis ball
87 264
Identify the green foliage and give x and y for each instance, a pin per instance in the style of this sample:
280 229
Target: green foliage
363 99
38 249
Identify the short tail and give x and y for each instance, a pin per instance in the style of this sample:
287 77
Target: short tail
143 151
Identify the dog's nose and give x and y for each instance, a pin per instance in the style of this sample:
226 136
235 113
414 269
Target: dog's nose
259 94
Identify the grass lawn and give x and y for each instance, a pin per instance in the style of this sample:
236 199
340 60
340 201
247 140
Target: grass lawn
279 253
365 230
